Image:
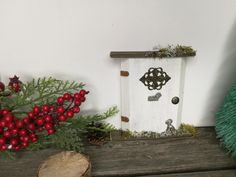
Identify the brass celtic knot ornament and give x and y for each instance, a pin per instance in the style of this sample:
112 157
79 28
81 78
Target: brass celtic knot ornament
155 78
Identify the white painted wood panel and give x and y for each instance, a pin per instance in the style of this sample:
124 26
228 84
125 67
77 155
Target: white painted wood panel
147 115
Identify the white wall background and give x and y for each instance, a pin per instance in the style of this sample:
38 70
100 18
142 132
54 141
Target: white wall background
71 39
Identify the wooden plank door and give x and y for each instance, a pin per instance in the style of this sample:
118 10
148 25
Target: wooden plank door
141 111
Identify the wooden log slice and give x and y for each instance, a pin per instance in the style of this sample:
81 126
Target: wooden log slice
66 164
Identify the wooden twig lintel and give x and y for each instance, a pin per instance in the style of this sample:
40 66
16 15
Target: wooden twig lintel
138 54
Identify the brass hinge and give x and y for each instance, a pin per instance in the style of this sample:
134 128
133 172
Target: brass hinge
124 73
124 119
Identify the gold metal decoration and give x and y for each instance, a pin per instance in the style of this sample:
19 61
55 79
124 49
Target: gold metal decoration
155 78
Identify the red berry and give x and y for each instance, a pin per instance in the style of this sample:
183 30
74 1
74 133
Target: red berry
7 134
77 96
52 108
19 123
83 92
26 120
48 126
2 87
1 130
3 123
35 139
48 118
11 125
36 109
82 99
67 96
31 127
69 114
51 131
25 144
30 114
14 131
46 108
17 148
77 102
60 100
8 117
40 121
33 135
23 132
60 109
14 141
2 140
76 109
40 129
62 118
26 139
40 114
3 147
5 111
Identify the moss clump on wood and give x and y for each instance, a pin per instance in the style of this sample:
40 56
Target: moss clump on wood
184 51
187 129
183 130
173 51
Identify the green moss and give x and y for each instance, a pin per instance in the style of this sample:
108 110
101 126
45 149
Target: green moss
126 134
174 51
184 51
187 129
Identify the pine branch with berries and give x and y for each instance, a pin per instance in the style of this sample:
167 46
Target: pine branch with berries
39 113
71 134
32 112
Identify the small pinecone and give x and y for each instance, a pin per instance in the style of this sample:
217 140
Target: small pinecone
15 84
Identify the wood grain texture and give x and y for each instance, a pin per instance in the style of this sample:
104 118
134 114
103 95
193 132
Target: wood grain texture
220 173
136 54
66 164
161 156
26 163
165 157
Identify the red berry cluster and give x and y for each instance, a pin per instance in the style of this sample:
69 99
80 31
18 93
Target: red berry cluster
16 133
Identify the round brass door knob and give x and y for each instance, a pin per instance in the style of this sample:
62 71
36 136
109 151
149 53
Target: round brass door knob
175 100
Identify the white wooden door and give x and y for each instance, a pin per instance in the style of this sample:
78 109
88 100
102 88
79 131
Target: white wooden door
145 115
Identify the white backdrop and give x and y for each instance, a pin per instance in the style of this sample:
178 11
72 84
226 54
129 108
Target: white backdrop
71 39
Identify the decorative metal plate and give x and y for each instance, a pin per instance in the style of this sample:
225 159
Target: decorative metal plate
155 78
155 97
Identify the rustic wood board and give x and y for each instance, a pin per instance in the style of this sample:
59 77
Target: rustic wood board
26 163
221 173
161 156
166 157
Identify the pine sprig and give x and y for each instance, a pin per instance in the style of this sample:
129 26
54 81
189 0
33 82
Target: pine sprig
41 91
70 134
87 119
68 139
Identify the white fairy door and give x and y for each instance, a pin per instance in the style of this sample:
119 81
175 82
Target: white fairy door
151 93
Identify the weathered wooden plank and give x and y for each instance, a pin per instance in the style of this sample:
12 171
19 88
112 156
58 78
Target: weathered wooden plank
175 155
221 173
146 157
135 54
130 54
26 163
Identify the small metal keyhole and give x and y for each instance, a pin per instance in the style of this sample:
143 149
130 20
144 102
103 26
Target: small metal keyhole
175 100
